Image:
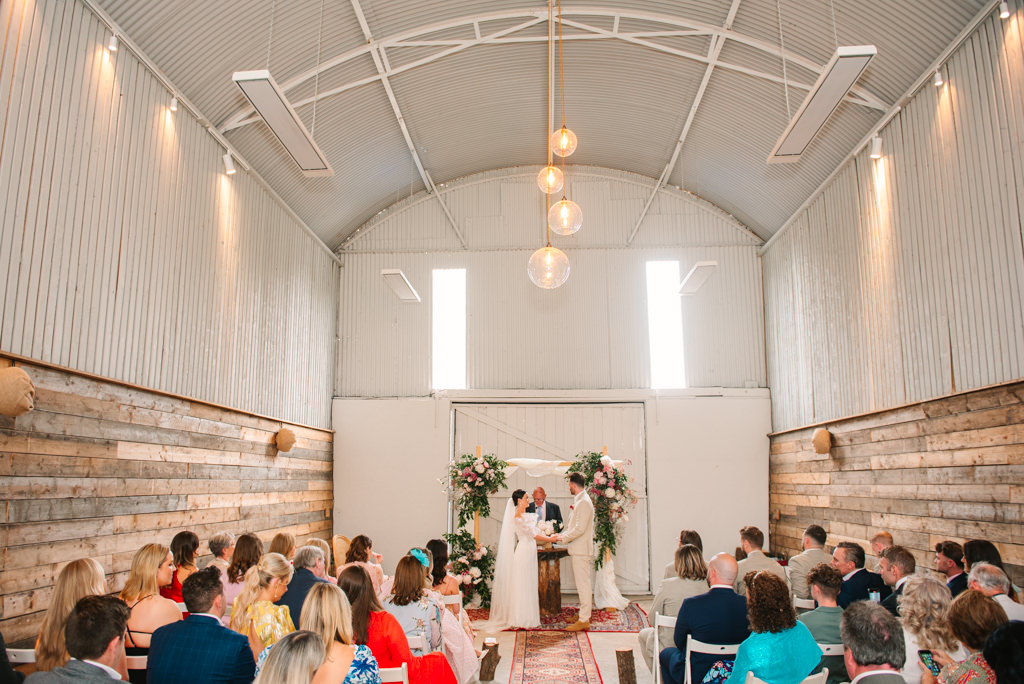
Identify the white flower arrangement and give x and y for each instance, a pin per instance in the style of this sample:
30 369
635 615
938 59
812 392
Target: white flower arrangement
546 527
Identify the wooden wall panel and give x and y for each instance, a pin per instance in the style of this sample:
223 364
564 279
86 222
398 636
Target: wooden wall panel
951 468
101 468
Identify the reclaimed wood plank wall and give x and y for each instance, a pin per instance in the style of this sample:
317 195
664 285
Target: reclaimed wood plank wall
101 468
951 468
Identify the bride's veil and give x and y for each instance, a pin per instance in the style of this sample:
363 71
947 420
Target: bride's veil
501 593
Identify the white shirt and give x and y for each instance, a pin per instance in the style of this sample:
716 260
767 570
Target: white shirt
111 672
1014 610
848 575
900 582
721 586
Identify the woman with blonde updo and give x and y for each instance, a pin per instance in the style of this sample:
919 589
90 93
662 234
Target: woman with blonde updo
152 568
78 579
254 613
924 612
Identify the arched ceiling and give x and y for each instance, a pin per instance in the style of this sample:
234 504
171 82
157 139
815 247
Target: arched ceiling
411 94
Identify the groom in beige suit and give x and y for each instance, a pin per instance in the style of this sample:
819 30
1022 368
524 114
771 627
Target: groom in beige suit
579 536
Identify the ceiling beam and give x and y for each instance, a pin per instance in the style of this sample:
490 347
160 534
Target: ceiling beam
380 62
716 47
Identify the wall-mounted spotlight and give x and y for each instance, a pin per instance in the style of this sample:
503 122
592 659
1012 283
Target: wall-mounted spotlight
174 103
876 147
938 78
112 45
1004 10
229 164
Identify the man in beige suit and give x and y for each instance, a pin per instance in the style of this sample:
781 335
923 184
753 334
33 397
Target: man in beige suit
579 537
752 540
800 564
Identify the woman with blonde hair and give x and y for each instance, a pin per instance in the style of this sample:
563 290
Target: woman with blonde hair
296 659
924 613
151 569
284 544
79 578
690 579
326 612
254 613
326 548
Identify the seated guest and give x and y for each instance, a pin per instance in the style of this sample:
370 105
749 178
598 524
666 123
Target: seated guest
1004 652
457 635
327 613
991 581
858 583
718 616
880 542
248 551
441 580
984 551
330 573
873 648
417 614
823 622
949 560
545 510
222 545
972 617
813 554
752 542
184 547
79 578
690 580
310 568
296 659
896 565
95 641
284 544
924 612
254 613
685 537
780 650
151 569
374 627
360 553
8 675
200 650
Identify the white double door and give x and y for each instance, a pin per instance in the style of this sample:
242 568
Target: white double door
557 432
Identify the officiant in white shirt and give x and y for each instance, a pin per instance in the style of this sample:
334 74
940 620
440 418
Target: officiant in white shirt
545 510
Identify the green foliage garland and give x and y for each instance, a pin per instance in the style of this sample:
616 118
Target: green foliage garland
471 564
608 488
472 479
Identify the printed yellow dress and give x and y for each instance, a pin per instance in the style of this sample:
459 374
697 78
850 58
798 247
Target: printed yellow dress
271 621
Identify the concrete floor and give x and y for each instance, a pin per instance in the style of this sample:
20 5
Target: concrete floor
603 643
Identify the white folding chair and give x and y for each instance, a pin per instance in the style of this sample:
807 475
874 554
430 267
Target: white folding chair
181 607
419 641
818 678
21 656
453 600
659 621
694 646
136 662
831 649
803 604
395 674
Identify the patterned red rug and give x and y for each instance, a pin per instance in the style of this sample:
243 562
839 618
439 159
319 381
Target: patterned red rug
632 619
543 657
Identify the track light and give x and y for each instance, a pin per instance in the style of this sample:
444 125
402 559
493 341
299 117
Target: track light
876 147
1004 10
938 78
112 45
229 165
174 103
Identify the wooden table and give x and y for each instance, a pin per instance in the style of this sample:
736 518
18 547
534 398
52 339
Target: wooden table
549 579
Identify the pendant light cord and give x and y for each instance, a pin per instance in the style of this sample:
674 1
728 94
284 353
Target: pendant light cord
561 86
316 80
270 38
551 107
782 50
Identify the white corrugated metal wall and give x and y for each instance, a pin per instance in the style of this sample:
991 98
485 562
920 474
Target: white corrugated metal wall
124 249
904 279
589 334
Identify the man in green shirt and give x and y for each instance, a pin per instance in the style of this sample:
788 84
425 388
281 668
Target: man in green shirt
823 622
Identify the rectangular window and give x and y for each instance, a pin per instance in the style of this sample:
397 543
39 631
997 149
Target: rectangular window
449 328
665 325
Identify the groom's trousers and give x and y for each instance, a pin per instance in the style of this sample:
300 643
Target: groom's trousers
582 571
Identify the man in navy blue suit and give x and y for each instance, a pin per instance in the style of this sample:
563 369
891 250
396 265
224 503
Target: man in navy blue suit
717 617
199 649
545 509
858 583
949 560
310 568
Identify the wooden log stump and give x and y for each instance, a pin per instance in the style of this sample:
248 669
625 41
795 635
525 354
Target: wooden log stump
489 663
627 666
549 580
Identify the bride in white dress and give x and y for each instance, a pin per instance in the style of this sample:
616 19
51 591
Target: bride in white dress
514 601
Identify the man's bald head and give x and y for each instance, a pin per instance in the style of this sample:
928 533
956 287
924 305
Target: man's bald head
722 569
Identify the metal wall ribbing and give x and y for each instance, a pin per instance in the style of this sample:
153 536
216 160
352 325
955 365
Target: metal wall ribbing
124 249
904 279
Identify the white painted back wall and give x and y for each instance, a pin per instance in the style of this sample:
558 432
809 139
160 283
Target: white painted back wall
706 458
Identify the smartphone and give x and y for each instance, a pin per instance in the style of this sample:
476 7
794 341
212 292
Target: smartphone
929 662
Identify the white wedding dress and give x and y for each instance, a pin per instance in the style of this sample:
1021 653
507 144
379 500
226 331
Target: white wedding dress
514 600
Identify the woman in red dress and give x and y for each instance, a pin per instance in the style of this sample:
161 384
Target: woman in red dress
381 632
184 546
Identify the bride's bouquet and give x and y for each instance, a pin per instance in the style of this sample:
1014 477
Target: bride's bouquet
547 528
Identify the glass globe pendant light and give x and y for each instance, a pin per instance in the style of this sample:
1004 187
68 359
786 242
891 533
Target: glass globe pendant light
563 141
550 179
565 217
548 267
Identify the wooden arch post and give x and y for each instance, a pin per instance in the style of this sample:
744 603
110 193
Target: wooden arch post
476 513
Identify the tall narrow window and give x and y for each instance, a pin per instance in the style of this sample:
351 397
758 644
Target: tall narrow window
449 322
665 325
